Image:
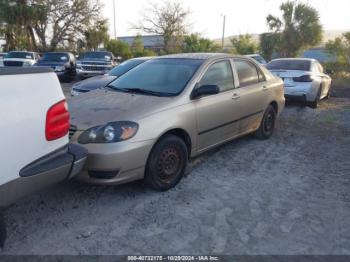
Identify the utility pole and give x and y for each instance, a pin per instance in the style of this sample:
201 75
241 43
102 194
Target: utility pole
223 32
115 27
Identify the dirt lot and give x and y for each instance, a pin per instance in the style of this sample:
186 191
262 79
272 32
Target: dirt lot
287 195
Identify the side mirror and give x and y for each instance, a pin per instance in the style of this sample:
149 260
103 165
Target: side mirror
205 90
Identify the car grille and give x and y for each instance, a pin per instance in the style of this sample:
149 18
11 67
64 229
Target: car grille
13 63
94 68
72 131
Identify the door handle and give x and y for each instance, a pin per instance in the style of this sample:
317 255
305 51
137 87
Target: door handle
236 96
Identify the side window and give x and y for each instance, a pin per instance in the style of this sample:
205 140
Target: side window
247 73
219 74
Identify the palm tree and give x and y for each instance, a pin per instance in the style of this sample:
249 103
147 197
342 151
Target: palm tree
298 28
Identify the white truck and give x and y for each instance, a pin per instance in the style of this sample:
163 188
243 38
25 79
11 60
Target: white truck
20 59
35 150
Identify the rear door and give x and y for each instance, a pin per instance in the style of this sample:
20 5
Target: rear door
325 79
253 94
217 114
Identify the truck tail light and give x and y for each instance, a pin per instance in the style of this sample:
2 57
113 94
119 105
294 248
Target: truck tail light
57 121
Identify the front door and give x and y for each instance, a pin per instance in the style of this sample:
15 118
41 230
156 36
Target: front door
217 114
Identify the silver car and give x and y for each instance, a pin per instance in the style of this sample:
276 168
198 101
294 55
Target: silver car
304 79
150 121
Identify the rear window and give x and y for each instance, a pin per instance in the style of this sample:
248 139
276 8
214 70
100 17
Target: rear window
302 65
22 55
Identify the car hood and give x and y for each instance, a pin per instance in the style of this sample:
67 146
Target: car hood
94 82
50 63
102 106
289 73
19 59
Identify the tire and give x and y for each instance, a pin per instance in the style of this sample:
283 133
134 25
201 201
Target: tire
314 104
2 230
329 93
267 124
167 163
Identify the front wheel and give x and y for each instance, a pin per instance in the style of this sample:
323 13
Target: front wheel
267 125
167 163
2 230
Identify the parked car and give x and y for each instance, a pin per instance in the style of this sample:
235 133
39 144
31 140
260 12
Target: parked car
103 80
304 79
21 58
63 63
2 55
151 120
34 135
95 63
258 58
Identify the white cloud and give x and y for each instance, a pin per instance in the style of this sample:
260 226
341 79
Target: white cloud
243 16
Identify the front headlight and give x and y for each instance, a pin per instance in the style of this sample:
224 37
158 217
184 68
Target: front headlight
59 68
27 64
110 133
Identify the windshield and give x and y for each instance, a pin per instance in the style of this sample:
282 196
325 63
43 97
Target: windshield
23 55
125 67
98 55
55 57
164 76
302 65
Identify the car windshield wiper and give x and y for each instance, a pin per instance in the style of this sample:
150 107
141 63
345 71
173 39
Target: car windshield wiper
146 92
116 88
139 91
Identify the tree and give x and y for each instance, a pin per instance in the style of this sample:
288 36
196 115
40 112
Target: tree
67 20
168 20
268 45
16 18
46 23
194 43
97 34
137 47
340 48
244 45
297 29
119 48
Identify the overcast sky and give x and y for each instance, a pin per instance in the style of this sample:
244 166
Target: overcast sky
242 16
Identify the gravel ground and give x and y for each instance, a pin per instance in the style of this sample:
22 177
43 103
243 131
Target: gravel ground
287 195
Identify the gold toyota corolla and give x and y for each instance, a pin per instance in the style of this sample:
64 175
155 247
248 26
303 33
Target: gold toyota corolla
149 122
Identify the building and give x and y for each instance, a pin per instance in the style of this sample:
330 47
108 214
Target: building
151 42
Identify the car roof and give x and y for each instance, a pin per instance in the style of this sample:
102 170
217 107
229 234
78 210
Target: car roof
253 55
201 56
21 52
142 58
295 59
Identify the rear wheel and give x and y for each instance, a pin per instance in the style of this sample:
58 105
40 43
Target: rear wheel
329 93
2 230
267 125
167 163
314 104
